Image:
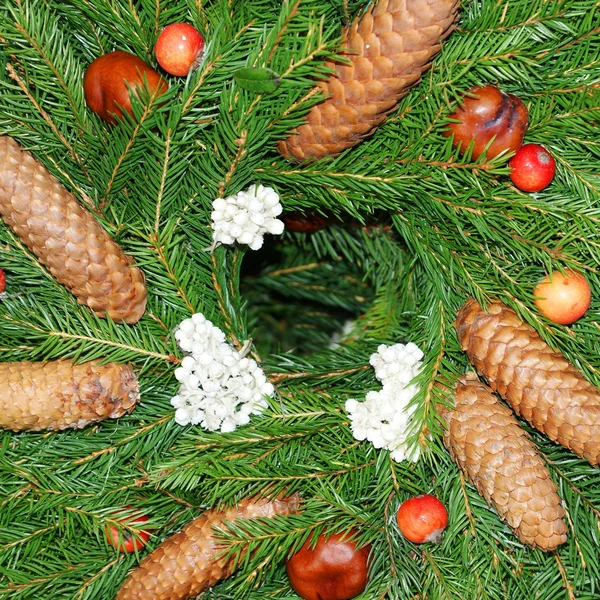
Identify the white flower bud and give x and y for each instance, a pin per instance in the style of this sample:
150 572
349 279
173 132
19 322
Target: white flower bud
268 389
182 416
257 243
193 381
188 363
275 226
241 418
228 425
271 198
258 219
256 206
177 402
211 386
204 359
215 370
219 204
181 374
246 238
185 344
186 327
226 239
225 228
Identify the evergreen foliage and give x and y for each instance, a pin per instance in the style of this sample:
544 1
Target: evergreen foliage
420 229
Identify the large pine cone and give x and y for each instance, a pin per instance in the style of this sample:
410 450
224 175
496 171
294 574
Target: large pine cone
540 384
187 563
497 456
59 394
389 48
66 238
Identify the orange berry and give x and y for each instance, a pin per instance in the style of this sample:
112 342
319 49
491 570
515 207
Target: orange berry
422 519
563 297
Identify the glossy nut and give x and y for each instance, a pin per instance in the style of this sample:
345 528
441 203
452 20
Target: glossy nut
108 80
304 223
486 112
333 570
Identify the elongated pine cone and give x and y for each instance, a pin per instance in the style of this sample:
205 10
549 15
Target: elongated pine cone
187 563
389 47
66 238
59 394
485 440
540 384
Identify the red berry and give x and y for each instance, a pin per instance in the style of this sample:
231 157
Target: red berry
2 281
110 79
532 167
487 114
123 539
563 297
179 48
422 519
333 569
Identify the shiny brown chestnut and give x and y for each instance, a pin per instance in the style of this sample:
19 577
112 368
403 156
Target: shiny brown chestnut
486 112
333 570
110 78
304 223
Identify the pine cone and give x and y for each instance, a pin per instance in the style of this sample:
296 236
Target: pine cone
388 48
186 564
66 238
59 394
540 384
496 455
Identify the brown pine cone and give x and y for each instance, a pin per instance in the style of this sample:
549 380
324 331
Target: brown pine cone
66 238
496 455
540 384
187 563
59 394
388 48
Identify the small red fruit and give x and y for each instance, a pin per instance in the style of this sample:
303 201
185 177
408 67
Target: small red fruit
2 281
532 167
563 297
487 113
422 519
110 78
333 570
179 48
124 539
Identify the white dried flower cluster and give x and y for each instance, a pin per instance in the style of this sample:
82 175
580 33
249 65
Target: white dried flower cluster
220 388
385 417
247 216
